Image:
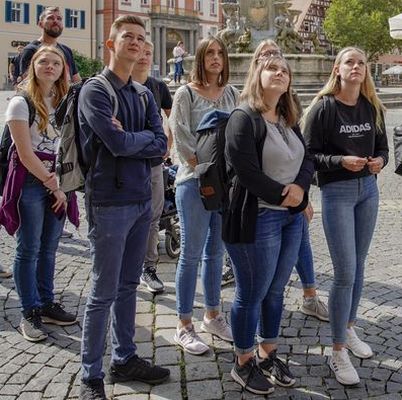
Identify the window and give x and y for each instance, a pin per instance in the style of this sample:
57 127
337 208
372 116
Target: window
75 19
172 3
198 5
212 7
17 12
145 2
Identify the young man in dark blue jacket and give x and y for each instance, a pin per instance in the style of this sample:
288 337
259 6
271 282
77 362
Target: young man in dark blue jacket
118 150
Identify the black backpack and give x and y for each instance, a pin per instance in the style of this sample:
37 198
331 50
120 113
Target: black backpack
211 171
6 144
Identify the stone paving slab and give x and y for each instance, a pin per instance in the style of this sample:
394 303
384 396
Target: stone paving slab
50 370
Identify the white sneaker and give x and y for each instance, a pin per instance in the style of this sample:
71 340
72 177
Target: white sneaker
344 371
187 339
218 327
357 346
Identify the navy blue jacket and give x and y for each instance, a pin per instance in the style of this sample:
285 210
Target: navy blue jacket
119 161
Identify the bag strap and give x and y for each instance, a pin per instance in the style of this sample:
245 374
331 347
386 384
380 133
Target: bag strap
31 107
142 92
329 108
190 92
113 96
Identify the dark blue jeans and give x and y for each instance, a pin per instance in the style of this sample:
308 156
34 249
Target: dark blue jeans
262 270
305 264
349 214
37 240
118 236
178 71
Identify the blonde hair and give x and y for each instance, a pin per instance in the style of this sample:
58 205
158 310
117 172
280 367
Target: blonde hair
367 88
253 92
198 74
31 86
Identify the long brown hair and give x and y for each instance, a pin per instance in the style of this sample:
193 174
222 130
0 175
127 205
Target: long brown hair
198 74
31 86
367 88
253 92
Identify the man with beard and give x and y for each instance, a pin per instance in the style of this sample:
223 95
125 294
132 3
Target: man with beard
51 23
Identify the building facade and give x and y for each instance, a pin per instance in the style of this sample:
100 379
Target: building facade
18 26
309 25
166 21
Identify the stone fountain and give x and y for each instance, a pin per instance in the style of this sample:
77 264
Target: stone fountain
248 22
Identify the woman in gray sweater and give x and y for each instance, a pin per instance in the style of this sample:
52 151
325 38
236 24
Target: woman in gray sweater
200 229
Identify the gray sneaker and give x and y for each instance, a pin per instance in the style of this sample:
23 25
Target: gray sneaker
31 326
218 327
187 339
315 307
5 272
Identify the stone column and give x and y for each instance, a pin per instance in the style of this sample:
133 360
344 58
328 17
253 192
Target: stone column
192 44
163 52
157 46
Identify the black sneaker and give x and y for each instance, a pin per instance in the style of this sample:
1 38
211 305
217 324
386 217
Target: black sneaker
53 313
92 390
137 369
151 281
275 370
31 326
250 377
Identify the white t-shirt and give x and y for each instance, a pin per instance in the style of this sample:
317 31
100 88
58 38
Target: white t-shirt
47 141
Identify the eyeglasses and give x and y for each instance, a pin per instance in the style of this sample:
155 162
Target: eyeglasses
269 53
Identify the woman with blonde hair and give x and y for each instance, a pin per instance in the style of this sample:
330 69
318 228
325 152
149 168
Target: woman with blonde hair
200 229
262 222
349 150
33 206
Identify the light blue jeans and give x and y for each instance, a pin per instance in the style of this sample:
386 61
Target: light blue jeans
118 236
305 263
349 214
200 240
37 240
262 270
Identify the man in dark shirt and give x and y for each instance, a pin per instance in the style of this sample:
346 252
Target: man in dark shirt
163 99
51 23
118 204
14 67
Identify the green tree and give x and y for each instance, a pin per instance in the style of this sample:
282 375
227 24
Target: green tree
87 66
362 23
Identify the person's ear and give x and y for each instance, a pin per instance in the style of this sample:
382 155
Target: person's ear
110 44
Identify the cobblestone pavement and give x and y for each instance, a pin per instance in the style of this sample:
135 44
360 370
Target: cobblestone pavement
50 370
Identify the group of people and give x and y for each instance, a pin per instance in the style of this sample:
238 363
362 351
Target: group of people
271 153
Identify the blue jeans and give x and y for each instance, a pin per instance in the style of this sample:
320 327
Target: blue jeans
178 71
305 264
37 240
262 270
200 239
349 214
118 237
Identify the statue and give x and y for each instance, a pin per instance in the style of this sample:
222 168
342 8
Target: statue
317 49
244 41
232 31
286 36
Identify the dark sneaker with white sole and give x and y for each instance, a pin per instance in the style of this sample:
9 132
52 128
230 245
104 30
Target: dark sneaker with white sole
276 371
31 326
151 281
250 377
137 369
92 389
53 313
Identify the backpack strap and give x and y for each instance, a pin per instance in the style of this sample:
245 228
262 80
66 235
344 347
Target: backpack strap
113 96
190 92
233 93
329 108
142 92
